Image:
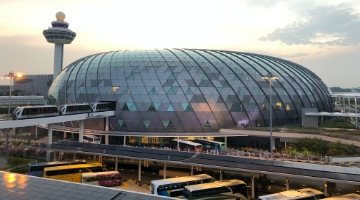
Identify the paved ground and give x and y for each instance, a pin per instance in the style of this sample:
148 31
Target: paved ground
3 162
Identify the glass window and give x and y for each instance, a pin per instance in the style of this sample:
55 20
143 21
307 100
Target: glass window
278 105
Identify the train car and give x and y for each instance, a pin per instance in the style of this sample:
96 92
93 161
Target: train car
29 112
72 109
103 106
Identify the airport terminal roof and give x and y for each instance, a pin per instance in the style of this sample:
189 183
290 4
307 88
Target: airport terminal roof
19 186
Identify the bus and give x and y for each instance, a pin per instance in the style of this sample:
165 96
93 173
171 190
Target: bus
211 145
302 194
37 169
351 196
186 145
72 173
173 187
231 189
108 179
91 139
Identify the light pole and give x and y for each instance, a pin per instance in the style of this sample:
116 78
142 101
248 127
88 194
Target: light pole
10 76
270 77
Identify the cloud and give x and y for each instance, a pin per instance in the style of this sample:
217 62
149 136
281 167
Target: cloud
323 25
296 55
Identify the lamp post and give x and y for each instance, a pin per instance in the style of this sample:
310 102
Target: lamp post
10 76
270 77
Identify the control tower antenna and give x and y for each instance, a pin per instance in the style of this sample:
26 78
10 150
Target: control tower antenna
60 35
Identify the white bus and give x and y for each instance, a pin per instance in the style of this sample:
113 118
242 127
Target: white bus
91 139
231 189
211 145
173 187
302 194
186 145
108 179
351 196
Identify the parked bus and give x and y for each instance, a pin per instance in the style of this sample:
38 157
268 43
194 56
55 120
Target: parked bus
37 169
351 196
72 173
108 179
231 189
186 145
211 145
91 139
302 194
174 187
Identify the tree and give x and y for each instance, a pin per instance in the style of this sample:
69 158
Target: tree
316 145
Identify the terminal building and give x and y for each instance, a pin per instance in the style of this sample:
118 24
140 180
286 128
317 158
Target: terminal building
190 90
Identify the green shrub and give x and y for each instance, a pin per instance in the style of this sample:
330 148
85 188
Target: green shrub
16 161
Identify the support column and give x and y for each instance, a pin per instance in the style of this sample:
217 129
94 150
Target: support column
49 142
356 119
139 171
54 155
106 123
124 140
349 104
81 130
287 183
106 139
325 189
36 132
273 144
164 170
116 163
64 135
192 171
252 186
225 143
178 146
221 174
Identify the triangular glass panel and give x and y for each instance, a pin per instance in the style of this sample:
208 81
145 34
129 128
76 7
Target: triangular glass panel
219 89
288 107
263 107
165 123
241 91
236 107
147 123
172 76
170 125
170 108
153 91
125 108
207 124
188 91
127 91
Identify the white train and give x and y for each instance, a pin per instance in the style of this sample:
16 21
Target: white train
29 112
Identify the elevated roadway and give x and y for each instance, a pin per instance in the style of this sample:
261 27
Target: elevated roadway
53 120
309 171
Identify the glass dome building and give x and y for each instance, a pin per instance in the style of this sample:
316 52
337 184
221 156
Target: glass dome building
190 90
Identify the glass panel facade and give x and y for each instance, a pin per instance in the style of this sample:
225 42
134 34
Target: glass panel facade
185 90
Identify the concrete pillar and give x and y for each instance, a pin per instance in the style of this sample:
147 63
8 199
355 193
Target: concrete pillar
221 175
106 139
287 183
349 104
124 140
139 171
225 143
116 163
164 170
106 123
252 186
178 146
192 171
325 189
64 135
81 130
36 132
49 142
54 155
356 119
273 144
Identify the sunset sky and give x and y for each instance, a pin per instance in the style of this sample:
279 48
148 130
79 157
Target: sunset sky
321 35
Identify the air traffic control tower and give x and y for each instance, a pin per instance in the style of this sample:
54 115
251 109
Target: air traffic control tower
60 35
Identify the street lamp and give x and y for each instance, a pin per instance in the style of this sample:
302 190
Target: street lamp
270 77
10 76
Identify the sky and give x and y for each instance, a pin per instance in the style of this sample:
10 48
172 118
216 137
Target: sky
321 35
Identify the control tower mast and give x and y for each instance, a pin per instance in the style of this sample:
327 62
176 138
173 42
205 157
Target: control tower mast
60 35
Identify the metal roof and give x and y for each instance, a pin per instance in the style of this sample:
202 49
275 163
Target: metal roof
233 163
346 94
19 186
332 114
